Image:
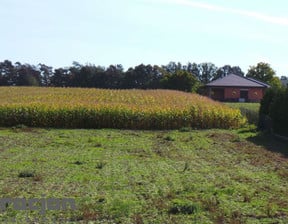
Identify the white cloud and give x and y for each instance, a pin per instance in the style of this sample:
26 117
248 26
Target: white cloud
256 15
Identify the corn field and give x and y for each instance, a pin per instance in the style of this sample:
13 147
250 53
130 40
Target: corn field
104 108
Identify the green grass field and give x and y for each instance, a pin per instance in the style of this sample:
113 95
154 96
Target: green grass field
249 106
250 110
123 176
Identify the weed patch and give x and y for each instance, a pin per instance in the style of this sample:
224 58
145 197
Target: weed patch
26 173
180 206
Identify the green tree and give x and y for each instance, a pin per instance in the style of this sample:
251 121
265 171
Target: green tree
7 73
46 72
142 77
276 82
207 72
194 69
27 75
172 67
263 72
114 74
61 77
181 80
227 70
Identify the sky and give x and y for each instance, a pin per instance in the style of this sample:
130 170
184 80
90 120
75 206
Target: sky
130 32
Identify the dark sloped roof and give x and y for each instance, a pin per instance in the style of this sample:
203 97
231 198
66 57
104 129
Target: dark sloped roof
261 83
237 81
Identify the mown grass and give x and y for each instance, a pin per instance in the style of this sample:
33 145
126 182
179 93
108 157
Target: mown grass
103 108
180 176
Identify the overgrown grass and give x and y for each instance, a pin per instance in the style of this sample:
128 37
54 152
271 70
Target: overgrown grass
249 110
209 176
102 108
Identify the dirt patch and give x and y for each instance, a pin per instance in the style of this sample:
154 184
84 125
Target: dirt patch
162 145
26 129
139 153
222 137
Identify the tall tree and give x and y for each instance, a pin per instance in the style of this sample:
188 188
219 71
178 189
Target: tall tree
100 79
262 71
181 80
276 83
27 75
207 72
113 76
172 67
226 70
194 69
61 78
46 73
75 75
142 77
7 73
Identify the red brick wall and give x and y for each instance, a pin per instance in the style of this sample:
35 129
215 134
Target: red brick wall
254 94
232 93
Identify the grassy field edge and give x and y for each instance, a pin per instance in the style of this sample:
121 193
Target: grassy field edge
125 176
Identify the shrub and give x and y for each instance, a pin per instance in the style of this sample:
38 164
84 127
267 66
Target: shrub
279 112
183 207
267 100
26 173
274 108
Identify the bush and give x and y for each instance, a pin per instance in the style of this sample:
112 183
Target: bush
279 112
184 207
274 107
26 173
267 100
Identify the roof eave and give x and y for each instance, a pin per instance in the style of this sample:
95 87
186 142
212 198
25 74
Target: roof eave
237 86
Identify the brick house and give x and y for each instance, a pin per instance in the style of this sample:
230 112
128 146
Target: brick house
236 88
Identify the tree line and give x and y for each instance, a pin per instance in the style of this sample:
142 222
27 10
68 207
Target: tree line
189 77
